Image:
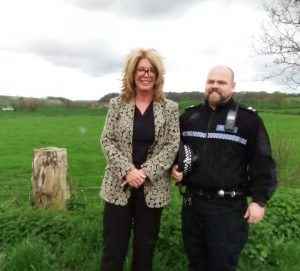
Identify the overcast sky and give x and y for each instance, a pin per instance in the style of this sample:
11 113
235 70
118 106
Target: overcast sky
76 48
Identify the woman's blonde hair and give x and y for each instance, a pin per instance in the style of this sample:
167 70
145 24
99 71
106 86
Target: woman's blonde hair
132 59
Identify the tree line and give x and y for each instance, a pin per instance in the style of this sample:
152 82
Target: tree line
261 99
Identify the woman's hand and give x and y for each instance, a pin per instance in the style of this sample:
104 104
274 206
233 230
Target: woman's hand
135 178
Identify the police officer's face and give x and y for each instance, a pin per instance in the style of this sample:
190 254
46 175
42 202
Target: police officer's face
219 85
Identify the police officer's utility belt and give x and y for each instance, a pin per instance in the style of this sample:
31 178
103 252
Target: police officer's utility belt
216 194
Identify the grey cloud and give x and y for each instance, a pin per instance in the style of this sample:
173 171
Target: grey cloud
153 8
94 58
138 8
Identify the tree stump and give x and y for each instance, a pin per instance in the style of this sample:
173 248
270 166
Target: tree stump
49 177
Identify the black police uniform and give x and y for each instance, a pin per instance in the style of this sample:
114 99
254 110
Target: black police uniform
232 164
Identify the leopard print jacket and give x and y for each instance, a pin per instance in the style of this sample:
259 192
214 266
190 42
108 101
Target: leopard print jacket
116 141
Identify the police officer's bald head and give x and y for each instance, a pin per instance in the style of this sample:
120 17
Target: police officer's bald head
219 85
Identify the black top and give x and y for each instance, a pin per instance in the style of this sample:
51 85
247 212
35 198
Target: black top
143 135
236 159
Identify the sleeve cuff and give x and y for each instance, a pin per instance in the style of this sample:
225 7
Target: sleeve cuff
259 199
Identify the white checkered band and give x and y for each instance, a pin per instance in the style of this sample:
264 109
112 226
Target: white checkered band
187 162
220 136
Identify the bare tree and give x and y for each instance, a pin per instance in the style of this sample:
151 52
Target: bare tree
280 40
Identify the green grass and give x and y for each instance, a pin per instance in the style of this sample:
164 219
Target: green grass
48 239
284 133
22 132
52 240
79 131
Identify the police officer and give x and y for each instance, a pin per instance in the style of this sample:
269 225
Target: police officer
233 161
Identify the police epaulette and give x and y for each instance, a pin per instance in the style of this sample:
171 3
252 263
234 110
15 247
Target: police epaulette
193 106
249 108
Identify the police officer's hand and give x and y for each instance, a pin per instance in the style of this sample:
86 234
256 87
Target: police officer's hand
177 175
255 213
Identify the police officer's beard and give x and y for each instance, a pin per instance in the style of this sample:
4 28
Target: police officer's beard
215 98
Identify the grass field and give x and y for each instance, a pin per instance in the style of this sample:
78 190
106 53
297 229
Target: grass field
49 240
79 131
22 132
284 132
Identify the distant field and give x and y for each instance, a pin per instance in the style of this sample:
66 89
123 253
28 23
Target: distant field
79 131
284 132
22 132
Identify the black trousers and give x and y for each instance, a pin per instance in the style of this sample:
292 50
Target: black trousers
118 221
214 232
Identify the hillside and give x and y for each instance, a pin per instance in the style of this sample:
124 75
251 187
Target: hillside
284 102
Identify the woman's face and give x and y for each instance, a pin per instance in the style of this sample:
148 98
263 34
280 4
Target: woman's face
145 76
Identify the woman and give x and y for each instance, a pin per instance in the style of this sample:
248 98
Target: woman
140 140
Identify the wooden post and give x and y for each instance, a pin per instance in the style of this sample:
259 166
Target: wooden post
49 177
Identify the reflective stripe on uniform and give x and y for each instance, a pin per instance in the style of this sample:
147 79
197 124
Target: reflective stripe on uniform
220 136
